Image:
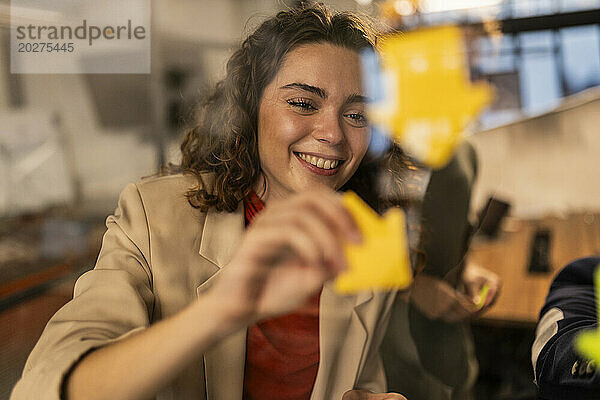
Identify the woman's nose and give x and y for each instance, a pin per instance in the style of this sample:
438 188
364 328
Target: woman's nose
329 130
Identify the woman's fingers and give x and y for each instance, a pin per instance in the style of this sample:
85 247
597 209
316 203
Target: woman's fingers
329 208
323 235
273 244
333 211
492 294
319 219
476 277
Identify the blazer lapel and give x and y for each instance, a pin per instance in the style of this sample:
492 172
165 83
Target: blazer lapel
224 363
222 235
342 338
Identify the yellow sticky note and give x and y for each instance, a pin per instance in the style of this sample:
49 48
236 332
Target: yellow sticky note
588 343
381 260
482 296
430 99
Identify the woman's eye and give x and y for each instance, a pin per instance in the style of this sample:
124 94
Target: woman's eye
358 119
302 104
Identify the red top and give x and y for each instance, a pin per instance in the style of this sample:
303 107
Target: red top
282 353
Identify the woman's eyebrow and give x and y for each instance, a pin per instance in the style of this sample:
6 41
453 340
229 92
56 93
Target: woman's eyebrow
309 88
357 98
353 98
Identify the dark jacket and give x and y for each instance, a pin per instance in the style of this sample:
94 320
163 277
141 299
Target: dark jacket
570 308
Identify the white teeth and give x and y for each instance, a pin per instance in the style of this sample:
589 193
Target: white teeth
319 162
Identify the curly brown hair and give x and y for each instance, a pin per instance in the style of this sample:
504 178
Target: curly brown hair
224 141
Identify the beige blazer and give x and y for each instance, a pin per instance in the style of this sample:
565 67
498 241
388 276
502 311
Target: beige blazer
157 256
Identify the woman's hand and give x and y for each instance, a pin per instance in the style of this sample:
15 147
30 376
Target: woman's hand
474 278
436 299
288 252
367 395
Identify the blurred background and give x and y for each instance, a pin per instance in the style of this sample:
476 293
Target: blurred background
70 142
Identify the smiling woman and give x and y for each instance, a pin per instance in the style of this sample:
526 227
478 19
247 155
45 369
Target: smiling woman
323 49
215 282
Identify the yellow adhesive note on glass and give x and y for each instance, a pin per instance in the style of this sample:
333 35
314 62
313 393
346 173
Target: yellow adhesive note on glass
588 343
429 98
381 260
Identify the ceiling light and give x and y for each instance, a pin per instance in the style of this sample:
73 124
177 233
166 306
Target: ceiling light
430 6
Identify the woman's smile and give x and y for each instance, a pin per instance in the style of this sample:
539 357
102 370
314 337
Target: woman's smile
320 164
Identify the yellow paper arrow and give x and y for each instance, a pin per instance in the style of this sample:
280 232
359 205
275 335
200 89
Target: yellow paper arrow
381 260
429 98
588 343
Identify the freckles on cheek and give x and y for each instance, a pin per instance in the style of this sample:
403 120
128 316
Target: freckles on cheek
284 133
291 129
278 132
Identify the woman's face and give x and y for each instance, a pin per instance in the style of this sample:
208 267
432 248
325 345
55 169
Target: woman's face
311 123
